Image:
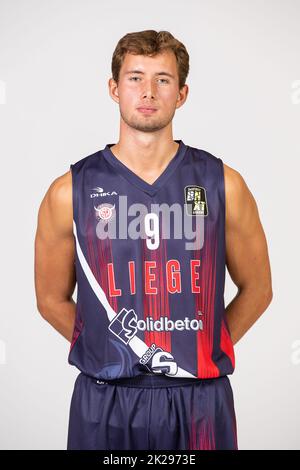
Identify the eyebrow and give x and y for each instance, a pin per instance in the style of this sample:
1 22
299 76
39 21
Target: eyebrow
157 73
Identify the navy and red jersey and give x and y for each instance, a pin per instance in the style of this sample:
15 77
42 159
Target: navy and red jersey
150 268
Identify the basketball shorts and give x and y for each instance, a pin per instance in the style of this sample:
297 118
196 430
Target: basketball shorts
151 412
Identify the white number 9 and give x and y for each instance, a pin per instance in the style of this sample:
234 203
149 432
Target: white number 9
153 233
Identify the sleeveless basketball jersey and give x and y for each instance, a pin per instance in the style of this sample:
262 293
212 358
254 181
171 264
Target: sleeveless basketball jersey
150 268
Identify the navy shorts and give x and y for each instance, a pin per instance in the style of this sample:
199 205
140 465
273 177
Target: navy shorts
152 413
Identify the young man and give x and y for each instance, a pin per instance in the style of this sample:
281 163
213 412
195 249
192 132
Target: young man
146 228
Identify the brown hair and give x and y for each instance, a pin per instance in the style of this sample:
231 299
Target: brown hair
150 43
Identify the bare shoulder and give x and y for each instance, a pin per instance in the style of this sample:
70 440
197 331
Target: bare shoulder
234 181
240 202
235 184
60 190
56 209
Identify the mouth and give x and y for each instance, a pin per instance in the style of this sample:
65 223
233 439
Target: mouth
146 110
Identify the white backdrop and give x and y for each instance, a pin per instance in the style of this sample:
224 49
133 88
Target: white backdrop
243 106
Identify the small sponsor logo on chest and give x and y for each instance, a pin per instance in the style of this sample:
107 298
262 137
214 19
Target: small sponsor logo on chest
99 192
195 199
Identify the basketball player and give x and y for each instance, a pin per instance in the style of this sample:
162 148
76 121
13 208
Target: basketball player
146 227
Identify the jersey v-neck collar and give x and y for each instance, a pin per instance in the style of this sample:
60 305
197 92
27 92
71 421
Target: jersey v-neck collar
136 180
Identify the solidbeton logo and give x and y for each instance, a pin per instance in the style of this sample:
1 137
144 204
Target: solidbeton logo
125 325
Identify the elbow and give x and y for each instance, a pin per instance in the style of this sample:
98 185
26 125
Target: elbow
263 293
269 293
267 296
40 309
43 309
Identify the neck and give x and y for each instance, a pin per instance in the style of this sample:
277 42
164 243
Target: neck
147 160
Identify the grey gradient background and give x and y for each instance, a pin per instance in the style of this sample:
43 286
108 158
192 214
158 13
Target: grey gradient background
243 106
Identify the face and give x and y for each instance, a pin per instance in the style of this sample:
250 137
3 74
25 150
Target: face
148 82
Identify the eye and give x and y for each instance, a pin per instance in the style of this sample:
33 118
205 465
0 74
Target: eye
163 79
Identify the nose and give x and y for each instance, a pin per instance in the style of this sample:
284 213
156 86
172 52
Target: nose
149 90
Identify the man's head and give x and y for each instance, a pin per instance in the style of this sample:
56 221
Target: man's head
149 69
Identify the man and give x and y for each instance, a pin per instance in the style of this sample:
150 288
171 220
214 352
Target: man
146 228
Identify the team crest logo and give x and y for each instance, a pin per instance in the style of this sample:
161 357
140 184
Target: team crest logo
195 199
105 212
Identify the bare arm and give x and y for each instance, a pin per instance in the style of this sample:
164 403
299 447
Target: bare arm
247 257
55 278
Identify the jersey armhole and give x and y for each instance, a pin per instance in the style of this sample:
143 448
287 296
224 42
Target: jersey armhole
222 198
74 197
222 187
